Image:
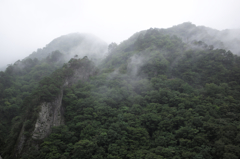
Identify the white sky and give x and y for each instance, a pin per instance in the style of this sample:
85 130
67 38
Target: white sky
26 25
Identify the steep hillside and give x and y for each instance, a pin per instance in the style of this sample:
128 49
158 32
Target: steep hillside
43 108
161 94
19 80
17 83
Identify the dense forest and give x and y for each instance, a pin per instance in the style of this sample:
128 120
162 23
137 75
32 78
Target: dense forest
161 94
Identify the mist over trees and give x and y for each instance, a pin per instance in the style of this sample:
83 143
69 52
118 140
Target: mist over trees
74 44
161 94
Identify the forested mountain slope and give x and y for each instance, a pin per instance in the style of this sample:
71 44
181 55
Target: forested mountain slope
20 79
17 83
154 96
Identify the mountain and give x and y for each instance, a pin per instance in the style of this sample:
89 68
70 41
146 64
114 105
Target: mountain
74 44
226 39
162 93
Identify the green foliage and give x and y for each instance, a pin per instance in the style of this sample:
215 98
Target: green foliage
152 98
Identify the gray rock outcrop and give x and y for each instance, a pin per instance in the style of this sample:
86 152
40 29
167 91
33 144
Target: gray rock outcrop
51 114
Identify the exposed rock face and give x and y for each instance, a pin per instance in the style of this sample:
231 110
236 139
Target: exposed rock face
21 141
51 114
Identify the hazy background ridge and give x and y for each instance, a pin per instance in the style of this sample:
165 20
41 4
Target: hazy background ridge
28 25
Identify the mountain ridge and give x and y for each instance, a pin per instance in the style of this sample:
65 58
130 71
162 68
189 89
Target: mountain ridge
162 93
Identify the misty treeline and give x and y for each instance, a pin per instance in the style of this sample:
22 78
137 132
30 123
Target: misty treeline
154 96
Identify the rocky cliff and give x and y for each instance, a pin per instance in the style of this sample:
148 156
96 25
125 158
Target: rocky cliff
52 113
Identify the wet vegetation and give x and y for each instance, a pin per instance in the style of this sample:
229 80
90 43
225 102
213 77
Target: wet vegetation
154 97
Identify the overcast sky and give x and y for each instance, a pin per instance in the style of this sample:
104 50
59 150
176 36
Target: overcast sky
26 25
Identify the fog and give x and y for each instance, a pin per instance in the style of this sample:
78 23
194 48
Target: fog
28 25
